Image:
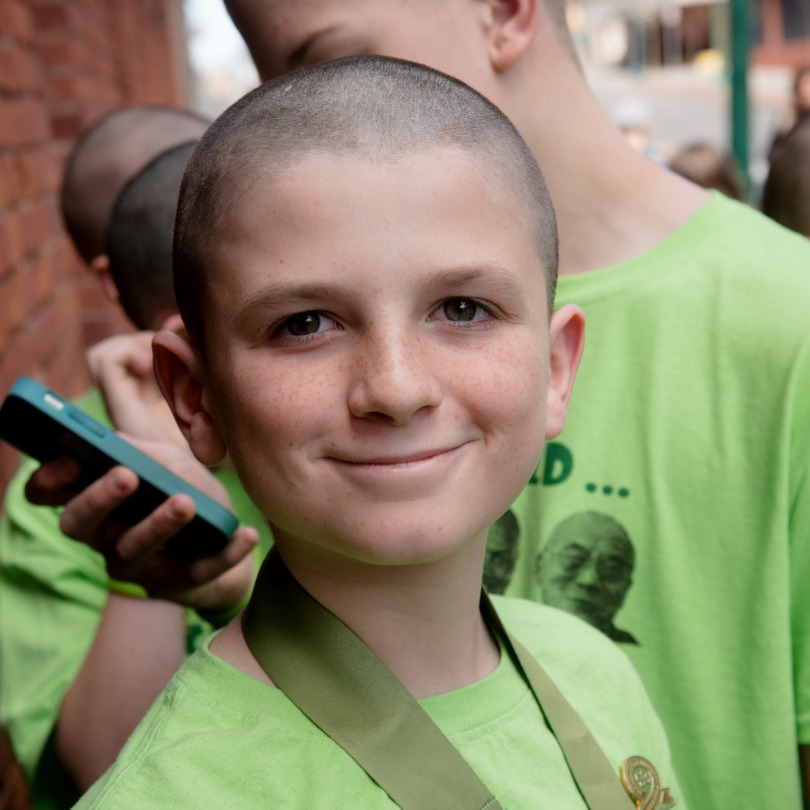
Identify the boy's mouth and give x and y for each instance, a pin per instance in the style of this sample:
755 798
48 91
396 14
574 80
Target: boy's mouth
396 460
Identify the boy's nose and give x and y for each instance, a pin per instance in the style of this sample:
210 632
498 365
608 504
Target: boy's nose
391 381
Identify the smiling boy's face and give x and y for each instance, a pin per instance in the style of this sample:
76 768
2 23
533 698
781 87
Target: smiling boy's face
378 355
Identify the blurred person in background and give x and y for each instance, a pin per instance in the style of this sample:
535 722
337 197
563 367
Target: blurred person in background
103 158
786 196
800 106
711 167
636 120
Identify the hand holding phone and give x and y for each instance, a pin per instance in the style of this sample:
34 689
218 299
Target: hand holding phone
44 425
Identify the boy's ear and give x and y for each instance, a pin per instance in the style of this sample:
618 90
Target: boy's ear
567 339
510 28
100 266
179 377
172 322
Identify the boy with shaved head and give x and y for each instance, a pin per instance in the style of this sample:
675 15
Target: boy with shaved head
105 157
365 256
689 427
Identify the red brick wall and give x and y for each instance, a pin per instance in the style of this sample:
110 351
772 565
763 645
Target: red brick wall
774 48
63 63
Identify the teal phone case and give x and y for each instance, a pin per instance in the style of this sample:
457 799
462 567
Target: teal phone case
42 424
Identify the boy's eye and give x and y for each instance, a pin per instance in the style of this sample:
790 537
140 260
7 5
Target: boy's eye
304 324
463 310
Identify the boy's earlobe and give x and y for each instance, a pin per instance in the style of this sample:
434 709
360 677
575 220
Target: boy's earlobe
178 376
511 27
566 342
172 322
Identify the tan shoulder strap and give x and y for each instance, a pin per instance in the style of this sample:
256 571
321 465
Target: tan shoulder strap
346 690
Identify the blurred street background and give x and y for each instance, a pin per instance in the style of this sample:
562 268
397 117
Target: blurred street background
668 61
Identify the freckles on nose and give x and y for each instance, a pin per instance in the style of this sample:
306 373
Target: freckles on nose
392 377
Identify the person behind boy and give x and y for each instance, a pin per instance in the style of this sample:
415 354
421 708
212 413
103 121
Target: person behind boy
710 166
786 196
104 157
365 255
80 662
689 426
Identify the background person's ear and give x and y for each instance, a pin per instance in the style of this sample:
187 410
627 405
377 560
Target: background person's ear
510 28
566 341
178 375
100 266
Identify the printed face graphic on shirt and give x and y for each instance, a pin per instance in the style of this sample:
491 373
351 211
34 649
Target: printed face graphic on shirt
586 569
502 551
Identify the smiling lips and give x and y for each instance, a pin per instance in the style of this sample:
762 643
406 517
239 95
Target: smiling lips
398 461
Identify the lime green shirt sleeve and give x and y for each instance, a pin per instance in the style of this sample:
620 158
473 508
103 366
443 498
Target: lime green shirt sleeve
52 593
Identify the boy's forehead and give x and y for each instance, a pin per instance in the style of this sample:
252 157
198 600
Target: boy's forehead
311 178
437 206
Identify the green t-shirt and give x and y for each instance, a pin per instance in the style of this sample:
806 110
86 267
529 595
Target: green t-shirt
52 594
674 509
219 738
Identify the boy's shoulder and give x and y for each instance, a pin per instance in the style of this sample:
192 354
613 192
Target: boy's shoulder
729 267
745 228
730 244
596 678
577 656
211 726
723 242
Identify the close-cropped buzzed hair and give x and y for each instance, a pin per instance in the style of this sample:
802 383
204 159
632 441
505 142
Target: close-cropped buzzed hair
109 153
372 107
139 237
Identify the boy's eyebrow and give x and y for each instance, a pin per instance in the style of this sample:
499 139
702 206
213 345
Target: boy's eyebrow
495 276
278 295
275 296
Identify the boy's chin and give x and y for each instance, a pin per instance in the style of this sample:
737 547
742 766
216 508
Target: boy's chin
383 548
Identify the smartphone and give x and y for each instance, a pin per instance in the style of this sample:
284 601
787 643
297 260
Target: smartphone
44 425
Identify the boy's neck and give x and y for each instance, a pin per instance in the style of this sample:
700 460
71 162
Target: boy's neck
613 204
423 621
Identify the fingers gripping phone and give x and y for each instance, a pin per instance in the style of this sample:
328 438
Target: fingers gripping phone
42 424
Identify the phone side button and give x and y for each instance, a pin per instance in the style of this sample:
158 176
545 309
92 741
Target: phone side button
88 422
